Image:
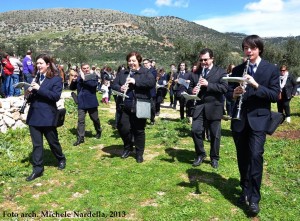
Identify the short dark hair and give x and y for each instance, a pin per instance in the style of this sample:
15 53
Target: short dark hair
136 54
207 50
254 41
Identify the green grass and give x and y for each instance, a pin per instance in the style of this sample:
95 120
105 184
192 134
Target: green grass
164 187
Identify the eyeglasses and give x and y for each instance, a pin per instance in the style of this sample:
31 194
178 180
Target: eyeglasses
205 59
282 70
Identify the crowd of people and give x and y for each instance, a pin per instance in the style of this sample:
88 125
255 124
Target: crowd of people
139 79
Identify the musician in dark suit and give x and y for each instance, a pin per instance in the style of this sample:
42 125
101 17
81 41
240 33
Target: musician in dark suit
87 102
46 91
288 88
209 109
161 89
249 132
185 75
135 83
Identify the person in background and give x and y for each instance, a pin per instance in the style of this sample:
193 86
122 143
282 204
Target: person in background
249 132
108 78
184 75
161 89
1 76
173 71
87 102
104 89
28 69
8 70
45 92
229 102
288 88
118 101
72 75
148 64
136 82
16 75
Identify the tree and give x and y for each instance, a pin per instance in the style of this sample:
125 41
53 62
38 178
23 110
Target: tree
273 54
292 56
187 51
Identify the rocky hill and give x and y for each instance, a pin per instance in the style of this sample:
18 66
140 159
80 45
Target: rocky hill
109 32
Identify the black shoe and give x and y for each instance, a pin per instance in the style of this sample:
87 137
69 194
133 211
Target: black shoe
139 159
61 165
79 141
34 176
214 164
126 154
198 160
254 208
243 200
98 135
152 122
157 114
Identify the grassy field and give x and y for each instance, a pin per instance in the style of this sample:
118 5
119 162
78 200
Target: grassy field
98 185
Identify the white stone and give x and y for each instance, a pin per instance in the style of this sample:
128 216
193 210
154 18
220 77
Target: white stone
19 124
3 128
9 121
16 115
5 104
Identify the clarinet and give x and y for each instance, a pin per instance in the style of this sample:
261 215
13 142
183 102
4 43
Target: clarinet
198 86
243 85
127 84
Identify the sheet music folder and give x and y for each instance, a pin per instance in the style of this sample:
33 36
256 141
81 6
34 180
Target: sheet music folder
190 96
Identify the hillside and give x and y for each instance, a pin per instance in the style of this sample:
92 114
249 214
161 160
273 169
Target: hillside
107 32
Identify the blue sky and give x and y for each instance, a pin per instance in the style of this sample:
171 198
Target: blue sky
267 18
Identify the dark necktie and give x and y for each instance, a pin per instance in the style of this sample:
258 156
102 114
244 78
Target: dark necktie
42 77
205 72
251 69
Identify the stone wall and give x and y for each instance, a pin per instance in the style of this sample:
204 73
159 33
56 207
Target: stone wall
10 116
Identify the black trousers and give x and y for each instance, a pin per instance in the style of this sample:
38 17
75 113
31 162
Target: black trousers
51 135
181 100
250 148
214 128
153 109
284 105
93 113
132 131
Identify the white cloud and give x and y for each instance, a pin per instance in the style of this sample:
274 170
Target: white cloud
173 3
284 21
265 5
149 12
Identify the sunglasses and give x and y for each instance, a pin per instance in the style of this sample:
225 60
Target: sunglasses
205 59
282 70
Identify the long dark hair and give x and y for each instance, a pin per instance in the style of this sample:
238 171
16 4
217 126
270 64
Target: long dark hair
50 71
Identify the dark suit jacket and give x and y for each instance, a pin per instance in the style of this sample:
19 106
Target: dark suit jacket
289 88
86 92
256 104
212 95
144 81
43 107
180 87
